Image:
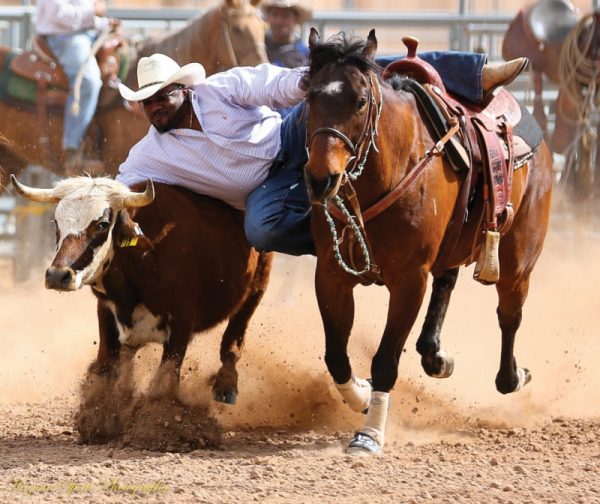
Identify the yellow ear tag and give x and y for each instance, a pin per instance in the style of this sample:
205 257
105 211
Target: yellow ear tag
132 242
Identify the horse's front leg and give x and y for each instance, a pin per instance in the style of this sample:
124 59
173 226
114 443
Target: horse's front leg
435 361
406 297
336 304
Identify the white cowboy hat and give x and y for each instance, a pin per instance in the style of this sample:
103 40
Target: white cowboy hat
158 71
304 14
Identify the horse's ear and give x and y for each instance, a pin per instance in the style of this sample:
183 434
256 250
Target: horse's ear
371 47
313 38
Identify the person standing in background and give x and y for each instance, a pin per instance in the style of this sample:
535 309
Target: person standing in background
284 47
70 27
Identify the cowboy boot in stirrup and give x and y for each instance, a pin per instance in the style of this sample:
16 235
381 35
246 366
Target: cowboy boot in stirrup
495 75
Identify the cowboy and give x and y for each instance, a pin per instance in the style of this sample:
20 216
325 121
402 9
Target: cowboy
70 27
284 46
220 136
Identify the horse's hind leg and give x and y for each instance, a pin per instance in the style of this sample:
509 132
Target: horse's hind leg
511 378
435 361
225 384
519 251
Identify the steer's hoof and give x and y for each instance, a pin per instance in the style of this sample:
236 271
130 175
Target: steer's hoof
229 397
363 445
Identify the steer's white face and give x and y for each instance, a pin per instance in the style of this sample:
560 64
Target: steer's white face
86 214
84 238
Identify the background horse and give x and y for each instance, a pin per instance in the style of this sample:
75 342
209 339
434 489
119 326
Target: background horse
360 129
538 32
225 36
566 51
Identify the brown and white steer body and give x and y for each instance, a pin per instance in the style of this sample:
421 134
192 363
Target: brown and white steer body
190 269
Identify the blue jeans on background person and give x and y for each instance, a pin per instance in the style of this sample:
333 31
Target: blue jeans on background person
278 211
72 51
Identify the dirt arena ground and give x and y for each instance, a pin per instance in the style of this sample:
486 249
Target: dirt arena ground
455 440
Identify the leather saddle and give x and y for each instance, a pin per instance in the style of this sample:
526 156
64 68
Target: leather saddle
41 66
484 149
549 21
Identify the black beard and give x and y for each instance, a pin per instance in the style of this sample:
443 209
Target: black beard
177 120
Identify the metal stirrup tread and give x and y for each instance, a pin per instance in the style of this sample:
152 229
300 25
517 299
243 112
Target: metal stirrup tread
364 442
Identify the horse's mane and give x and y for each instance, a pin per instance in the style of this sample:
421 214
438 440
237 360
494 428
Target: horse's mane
341 49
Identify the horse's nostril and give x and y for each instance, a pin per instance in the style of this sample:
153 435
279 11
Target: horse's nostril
320 190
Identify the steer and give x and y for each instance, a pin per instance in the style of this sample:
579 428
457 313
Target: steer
189 269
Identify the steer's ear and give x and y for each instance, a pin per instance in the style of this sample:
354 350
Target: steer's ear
127 233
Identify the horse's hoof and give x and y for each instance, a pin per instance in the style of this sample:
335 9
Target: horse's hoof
524 377
440 366
363 445
229 397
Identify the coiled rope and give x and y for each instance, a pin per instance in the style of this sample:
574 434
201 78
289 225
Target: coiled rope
579 74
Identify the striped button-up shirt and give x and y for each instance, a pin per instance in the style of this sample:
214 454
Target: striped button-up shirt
239 140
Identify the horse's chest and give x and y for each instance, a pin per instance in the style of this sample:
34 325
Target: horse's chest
144 327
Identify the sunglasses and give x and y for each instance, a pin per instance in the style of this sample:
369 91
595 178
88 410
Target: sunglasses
161 98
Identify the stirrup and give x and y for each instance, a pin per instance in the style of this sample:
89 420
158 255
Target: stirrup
487 269
362 444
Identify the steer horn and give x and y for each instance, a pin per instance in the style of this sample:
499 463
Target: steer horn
34 194
134 199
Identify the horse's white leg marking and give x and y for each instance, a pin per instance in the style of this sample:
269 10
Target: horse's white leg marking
356 392
524 378
377 416
447 364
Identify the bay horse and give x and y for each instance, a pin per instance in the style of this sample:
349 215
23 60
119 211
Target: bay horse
230 34
365 141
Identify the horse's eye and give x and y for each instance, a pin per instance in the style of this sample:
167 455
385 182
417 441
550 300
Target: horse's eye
361 103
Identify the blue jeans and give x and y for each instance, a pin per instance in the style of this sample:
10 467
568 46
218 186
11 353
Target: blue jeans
278 211
460 71
72 51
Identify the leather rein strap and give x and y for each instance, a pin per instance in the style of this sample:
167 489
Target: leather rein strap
390 198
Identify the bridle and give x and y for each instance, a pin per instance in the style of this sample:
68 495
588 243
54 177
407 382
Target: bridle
366 140
354 168
355 220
